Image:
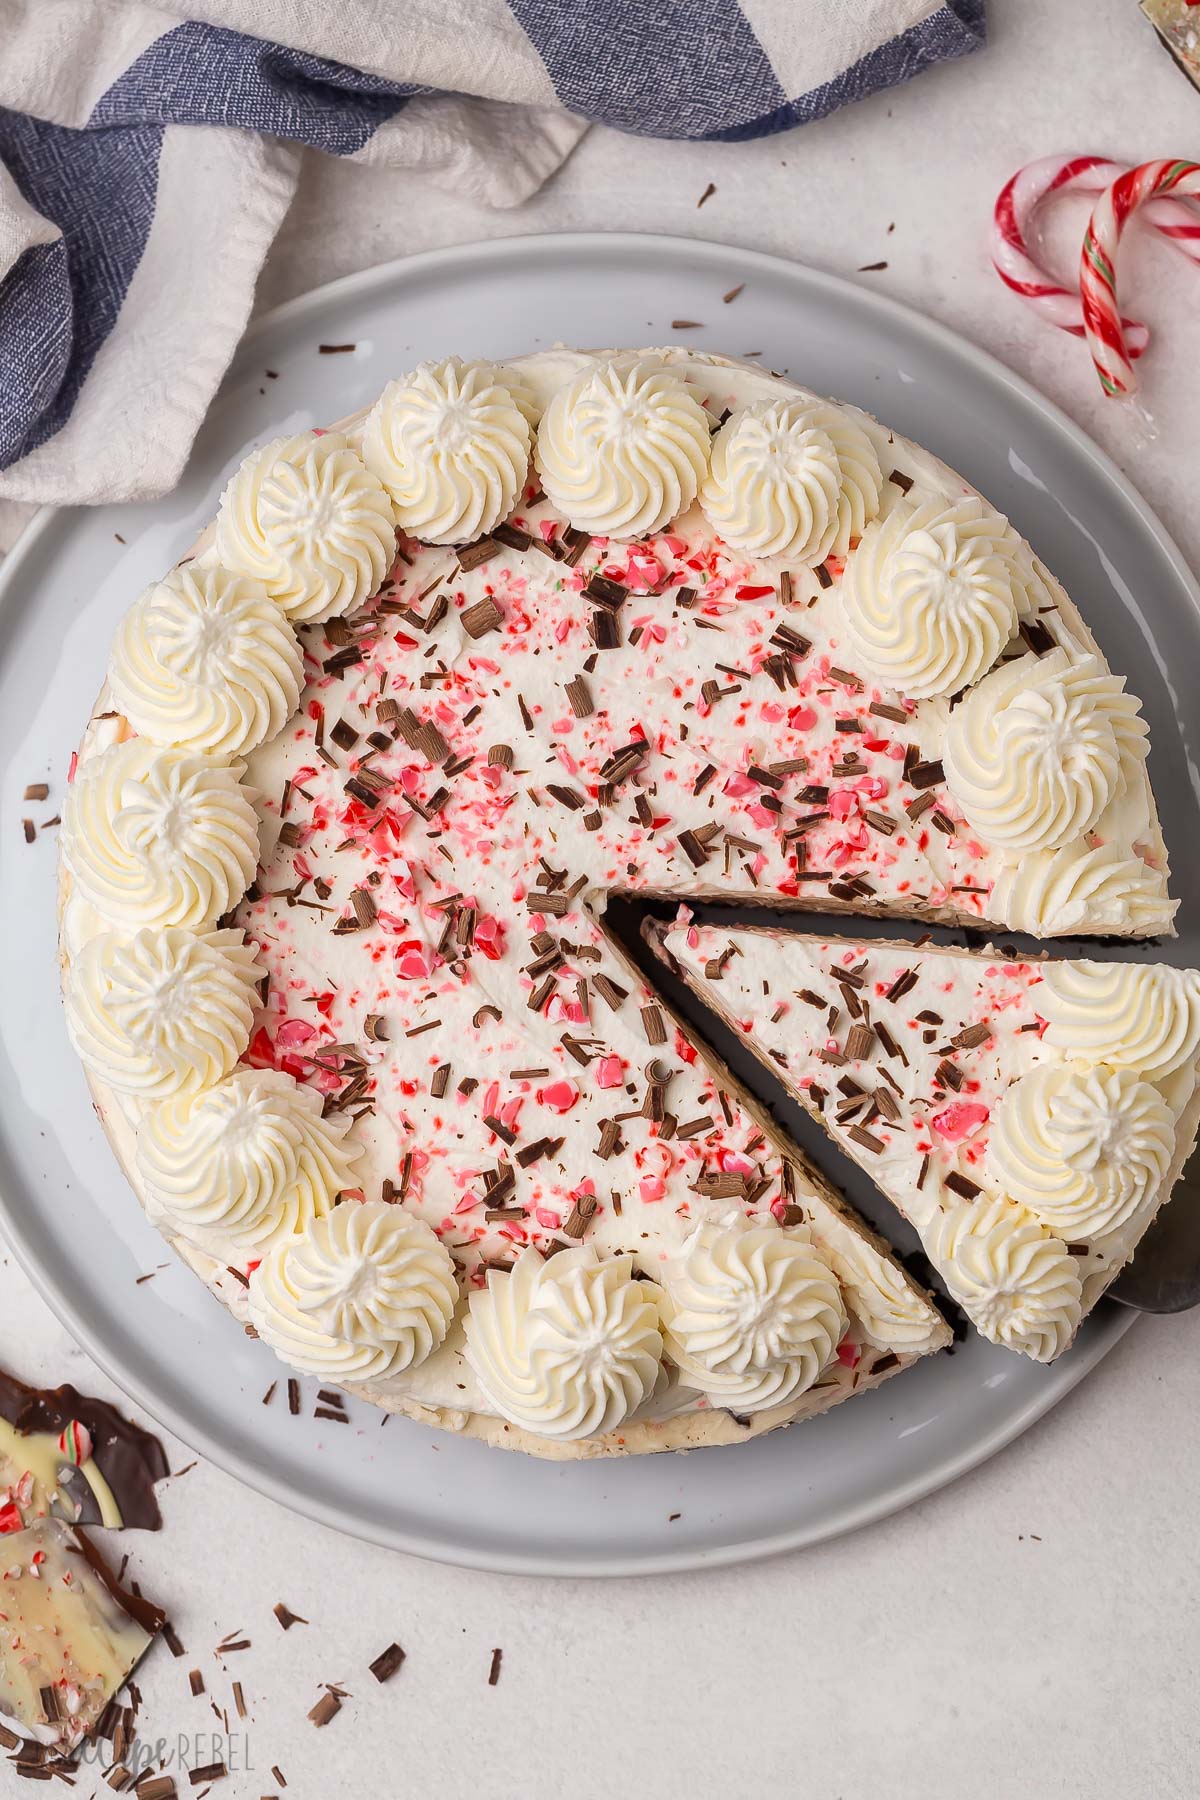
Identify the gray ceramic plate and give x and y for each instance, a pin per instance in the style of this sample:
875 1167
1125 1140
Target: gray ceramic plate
66 1210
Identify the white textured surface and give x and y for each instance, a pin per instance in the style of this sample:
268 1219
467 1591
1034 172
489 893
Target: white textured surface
1030 1630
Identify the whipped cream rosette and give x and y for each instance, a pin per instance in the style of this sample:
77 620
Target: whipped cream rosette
1036 753
450 442
792 478
205 659
751 1316
362 1293
1083 1147
1019 1283
1124 1014
1052 893
931 595
165 1011
656 623
307 518
157 836
567 1348
622 450
247 1163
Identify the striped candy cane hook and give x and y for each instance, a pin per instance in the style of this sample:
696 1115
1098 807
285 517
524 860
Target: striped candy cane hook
1015 218
1106 335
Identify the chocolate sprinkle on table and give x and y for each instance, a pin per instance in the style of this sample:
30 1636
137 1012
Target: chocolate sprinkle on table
387 1663
327 1707
494 1671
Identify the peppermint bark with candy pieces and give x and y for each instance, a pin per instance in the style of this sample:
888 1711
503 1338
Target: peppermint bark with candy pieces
1029 1117
337 851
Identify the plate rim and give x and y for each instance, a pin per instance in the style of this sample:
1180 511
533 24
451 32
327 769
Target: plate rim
1108 1327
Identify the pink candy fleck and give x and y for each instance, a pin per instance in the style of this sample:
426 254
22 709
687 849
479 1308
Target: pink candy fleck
410 961
960 1120
559 1096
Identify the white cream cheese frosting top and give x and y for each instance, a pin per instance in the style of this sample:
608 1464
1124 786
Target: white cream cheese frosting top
428 916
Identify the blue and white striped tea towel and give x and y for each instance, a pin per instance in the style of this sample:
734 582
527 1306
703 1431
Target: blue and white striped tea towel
149 149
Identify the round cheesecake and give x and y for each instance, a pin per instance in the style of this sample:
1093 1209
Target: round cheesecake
369 762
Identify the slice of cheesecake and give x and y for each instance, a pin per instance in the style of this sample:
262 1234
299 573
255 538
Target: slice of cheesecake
1028 1117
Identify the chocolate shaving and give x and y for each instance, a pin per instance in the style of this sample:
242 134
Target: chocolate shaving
387 1663
971 1036
926 774
905 981
473 556
579 697
481 618
327 1708
866 1139
606 593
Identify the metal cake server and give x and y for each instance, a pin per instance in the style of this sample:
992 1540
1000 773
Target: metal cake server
1164 1276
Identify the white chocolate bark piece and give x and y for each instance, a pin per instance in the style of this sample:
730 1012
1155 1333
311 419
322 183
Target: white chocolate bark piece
69 1636
1029 1117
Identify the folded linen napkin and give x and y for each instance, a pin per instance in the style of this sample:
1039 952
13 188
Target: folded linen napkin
148 152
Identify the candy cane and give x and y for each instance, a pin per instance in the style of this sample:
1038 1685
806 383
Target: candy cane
1098 265
1016 209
